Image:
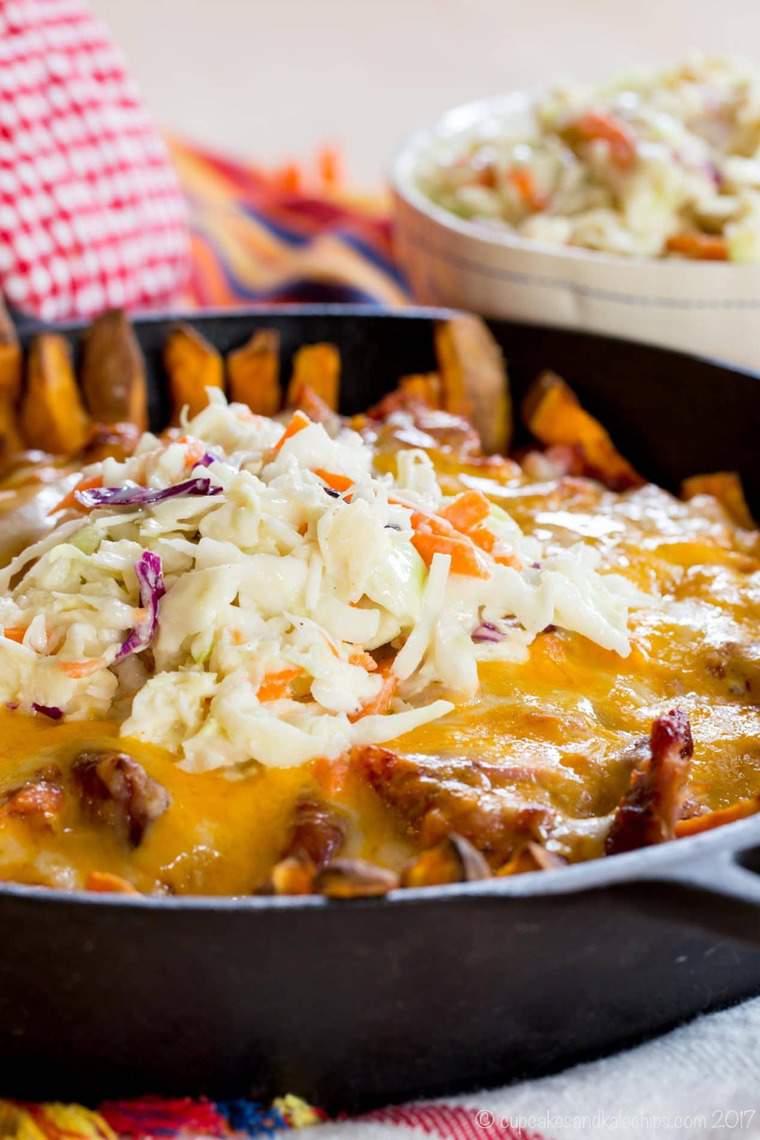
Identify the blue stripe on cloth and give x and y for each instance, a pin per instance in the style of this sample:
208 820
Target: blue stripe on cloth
251 1117
291 237
294 238
369 253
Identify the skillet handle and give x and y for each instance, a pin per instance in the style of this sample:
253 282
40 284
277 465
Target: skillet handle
719 892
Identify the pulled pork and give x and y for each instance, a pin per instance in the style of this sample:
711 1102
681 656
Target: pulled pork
651 807
116 790
433 797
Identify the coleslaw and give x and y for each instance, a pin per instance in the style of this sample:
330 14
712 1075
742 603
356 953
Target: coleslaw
654 164
249 590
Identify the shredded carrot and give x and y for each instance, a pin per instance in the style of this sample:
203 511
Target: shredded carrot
483 538
78 669
366 660
277 685
70 500
435 535
337 482
465 558
297 422
195 450
381 703
504 558
700 247
467 510
15 632
433 524
103 882
601 125
487 541
524 183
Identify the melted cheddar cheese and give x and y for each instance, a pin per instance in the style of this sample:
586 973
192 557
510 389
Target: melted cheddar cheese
559 730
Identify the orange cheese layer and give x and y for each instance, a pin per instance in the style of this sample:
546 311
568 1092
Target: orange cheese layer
563 723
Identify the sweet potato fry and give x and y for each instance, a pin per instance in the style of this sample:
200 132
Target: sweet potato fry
315 366
726 487
10 438
117 440
422 386
253 373
554 415
52 414
318 411
474 380
193 366
698 823
10 357
453 860
10 385
113 372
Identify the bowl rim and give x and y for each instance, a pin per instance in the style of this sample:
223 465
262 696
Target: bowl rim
456 121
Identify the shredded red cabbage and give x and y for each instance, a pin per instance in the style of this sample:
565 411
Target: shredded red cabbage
144 496
48 710
714 174
150 575
487 631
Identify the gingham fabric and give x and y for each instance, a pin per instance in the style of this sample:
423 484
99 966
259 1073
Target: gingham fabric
91 214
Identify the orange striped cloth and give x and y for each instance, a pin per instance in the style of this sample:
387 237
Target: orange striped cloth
287 235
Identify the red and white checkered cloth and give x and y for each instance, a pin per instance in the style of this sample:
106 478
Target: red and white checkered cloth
91 214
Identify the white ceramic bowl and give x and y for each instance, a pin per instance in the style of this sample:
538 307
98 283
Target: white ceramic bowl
711 308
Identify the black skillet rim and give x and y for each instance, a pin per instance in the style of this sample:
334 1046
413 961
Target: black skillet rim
27 326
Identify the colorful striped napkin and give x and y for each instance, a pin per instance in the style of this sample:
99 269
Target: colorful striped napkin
286 235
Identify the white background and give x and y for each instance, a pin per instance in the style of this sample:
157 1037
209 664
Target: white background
271 79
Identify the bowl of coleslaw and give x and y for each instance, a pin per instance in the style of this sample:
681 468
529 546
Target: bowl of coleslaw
631 208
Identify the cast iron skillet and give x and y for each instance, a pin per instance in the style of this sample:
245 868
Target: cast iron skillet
427 991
